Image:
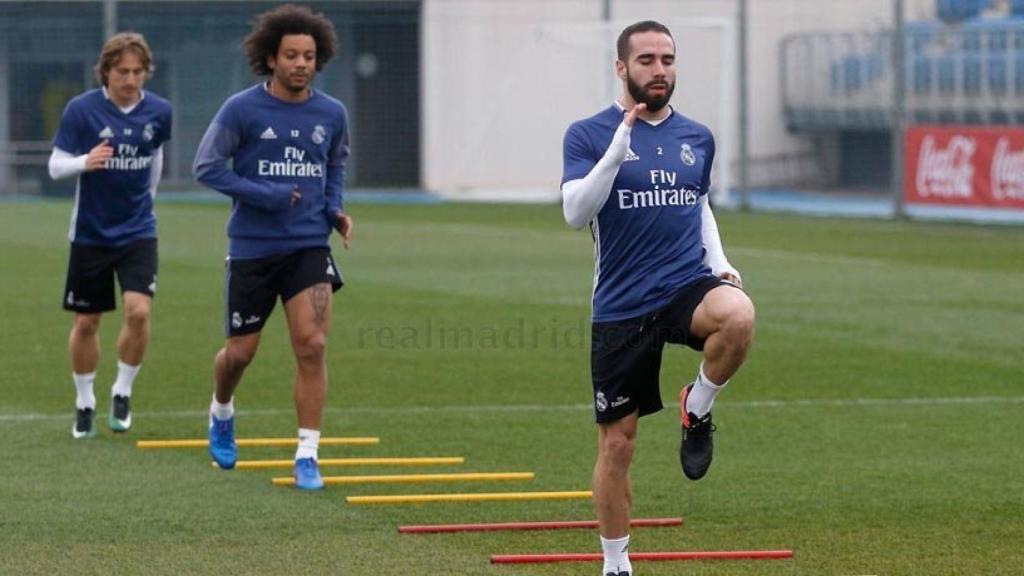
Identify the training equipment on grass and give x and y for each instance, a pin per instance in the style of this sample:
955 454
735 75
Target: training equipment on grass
652 556
421 461
203 443
417 478
471 497
559 525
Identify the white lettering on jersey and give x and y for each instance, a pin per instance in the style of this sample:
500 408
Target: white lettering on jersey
630 199
658 196
293 165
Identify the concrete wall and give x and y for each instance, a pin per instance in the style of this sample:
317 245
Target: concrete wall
502 79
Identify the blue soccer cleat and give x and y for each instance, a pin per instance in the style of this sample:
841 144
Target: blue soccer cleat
223 448
307 474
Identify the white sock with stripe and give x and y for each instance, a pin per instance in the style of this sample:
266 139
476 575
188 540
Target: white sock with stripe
702 395
222 411
126 374
309 441
83 385
616 555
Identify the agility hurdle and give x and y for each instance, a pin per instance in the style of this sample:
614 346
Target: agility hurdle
472 497
416 478
644 556
203 443
560 525
423 461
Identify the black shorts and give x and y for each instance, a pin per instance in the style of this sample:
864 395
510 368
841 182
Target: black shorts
252 286
89 288
625 356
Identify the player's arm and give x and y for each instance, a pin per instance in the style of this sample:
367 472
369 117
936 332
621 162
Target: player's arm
64 164
335 184
156 170
583 198
211 169
714 254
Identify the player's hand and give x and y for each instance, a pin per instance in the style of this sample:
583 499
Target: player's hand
630 117
98 156
296 196
345 227
732 279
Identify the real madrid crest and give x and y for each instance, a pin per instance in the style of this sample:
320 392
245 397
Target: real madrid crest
147 132
687 156
318 134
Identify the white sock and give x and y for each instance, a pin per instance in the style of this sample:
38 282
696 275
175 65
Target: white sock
616 555
83 384
309 441
222 411
702 395
125 377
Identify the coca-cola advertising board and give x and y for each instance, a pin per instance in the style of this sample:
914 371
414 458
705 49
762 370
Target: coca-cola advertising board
965 166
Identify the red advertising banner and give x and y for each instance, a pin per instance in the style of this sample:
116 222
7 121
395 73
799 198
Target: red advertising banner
965 166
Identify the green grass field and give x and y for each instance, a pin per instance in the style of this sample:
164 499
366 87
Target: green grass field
877 427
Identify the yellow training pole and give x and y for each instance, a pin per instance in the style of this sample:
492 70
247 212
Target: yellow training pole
425 461
482 497
199 443
415 478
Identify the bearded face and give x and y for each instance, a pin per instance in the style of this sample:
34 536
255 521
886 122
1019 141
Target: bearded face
655 93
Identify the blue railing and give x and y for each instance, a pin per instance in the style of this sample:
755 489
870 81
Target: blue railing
970 72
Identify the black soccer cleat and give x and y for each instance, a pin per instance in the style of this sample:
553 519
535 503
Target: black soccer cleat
83 427
120 414
697 446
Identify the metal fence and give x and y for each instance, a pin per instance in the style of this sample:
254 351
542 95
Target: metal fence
970 73
48 50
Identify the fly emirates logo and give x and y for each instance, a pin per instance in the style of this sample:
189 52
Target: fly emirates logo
663 192
128 158
294 164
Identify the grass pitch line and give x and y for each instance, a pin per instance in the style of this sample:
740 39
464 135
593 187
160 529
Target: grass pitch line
581 407
633 556
203 443
477 497
416 478
419 461
560 525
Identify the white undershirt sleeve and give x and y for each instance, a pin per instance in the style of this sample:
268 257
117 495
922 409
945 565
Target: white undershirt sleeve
157 169
582 199
64 164
714 254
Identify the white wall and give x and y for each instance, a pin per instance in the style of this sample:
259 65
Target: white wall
502 79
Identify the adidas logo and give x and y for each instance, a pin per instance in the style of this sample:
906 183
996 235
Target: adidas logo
268 134
631 156
330 270
106 132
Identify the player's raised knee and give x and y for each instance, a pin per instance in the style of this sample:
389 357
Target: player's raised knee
740 319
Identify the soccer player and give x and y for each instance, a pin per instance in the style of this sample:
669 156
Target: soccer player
111 139
638 173
288 143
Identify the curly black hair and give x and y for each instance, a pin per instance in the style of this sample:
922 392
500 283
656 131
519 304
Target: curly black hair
268 29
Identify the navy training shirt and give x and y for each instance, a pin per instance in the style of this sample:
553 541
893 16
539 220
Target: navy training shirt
275 146
647 236
114 206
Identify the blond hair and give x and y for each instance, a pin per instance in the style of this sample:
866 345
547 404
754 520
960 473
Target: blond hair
115 48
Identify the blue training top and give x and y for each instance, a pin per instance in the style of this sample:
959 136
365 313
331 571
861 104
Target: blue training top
114 206
275 147
647 236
